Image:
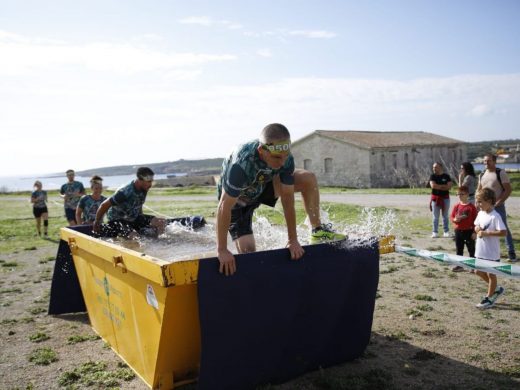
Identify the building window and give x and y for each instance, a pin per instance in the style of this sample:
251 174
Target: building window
383 165
460 155
328 165
394 157
406 162
307 164
454 156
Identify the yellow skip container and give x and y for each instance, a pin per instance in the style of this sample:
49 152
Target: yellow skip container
144 307
147 309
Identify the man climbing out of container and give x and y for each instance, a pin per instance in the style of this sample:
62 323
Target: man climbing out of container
259 172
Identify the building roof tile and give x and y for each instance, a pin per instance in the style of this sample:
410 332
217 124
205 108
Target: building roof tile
386 139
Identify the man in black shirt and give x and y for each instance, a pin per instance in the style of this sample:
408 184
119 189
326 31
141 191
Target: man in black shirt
440 183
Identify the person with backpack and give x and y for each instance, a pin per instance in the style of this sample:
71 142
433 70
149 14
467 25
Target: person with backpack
497 180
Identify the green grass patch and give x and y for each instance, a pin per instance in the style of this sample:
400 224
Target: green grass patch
425 307
43 356
414 312
37 310
8 321
10 264
400 335
382 191
95 374
433 332
10 290
423 297
189 190
430 273
81 338
39 337
511 371
389 270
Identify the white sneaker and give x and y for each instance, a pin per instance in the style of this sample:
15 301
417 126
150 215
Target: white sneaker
434 235
446 235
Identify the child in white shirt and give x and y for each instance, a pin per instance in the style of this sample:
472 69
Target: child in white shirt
489 228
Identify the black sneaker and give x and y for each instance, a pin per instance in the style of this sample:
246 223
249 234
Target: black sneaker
486 303
499 291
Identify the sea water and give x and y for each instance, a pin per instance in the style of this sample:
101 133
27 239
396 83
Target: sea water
181 243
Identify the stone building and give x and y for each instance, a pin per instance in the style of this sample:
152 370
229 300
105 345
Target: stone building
364 159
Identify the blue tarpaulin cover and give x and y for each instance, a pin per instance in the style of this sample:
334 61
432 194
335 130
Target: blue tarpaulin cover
277 318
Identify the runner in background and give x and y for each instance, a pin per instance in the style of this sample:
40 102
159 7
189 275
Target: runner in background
40 212
71 192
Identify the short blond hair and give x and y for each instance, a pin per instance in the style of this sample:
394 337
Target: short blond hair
486 194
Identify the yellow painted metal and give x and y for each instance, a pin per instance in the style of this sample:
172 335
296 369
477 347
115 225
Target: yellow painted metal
145 308
386 244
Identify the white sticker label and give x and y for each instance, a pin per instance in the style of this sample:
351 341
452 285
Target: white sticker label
150 297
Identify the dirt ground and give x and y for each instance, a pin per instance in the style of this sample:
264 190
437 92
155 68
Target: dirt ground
427 332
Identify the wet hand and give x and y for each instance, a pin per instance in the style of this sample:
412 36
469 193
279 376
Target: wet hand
296 249
227 262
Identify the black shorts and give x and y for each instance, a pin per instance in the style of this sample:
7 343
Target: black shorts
123 228
70 214
38 211
242 216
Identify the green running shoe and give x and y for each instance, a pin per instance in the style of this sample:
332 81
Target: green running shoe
324 233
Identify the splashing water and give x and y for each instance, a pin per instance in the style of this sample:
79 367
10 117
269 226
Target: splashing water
371 226
269 236
176 243
181 243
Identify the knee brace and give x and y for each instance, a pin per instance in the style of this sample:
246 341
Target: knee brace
46 222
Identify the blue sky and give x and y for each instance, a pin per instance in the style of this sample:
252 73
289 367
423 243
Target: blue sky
86 84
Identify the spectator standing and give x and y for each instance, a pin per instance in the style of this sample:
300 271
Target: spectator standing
40 212
468 179
497 180
440 183
463 217
489 228
71 192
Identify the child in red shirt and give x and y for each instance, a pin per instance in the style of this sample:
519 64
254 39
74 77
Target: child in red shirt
463 217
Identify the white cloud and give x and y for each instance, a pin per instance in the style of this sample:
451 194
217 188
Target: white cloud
207 21
171 117
481 110
200 20
20 55
314 33
264 52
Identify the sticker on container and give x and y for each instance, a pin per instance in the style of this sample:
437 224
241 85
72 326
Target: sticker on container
150 297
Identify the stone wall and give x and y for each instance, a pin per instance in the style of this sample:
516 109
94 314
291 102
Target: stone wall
340 164
334 163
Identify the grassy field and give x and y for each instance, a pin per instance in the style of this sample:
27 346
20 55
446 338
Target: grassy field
17 229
